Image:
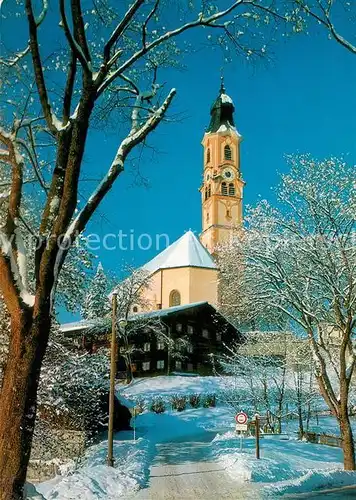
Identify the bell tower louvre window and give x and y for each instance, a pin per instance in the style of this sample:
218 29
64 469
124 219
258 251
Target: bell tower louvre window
224 188
227 152
231 189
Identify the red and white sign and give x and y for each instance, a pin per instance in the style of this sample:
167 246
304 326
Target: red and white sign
241 418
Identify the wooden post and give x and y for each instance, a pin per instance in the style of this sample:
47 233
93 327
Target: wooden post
257 425
110 458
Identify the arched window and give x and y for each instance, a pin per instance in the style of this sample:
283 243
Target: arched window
206 193
231 189
227 152
224 188
174 298
207 217
135 309
209 191
208 155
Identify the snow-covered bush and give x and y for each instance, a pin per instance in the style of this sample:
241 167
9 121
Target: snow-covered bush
194 400
158 405
209 401
179 402
73 387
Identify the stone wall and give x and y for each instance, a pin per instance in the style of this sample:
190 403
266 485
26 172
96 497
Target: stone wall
51 449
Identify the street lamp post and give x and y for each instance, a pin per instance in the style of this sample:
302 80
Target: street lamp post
122 325
110 458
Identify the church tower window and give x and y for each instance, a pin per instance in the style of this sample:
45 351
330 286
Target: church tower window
174 298
208 155
231 189
209 191
206 193
224 188
227 152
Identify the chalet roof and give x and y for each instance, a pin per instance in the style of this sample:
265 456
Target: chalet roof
187 251
160 313
75 326
80 326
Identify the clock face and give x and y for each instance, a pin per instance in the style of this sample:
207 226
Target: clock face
228 174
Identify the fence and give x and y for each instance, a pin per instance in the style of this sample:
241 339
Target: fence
328 439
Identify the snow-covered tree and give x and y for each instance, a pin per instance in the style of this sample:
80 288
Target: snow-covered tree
72 385
99 61
301 261
331 14
96 302
270 373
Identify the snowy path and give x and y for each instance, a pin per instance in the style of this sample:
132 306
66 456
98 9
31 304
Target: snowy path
184 470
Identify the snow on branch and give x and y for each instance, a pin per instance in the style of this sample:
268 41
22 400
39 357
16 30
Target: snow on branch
105 78
74 45
117 166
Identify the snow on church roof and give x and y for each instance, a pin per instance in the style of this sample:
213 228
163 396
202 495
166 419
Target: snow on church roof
187 251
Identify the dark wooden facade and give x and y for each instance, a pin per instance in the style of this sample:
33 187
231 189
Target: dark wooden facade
199 327
203 329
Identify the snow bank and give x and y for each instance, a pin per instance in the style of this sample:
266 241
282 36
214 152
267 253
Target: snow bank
291 465
97 481
313 481
165 386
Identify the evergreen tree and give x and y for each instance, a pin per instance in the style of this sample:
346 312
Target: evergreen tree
96 303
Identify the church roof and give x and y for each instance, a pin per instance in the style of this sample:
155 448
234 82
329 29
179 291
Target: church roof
187 251
222 113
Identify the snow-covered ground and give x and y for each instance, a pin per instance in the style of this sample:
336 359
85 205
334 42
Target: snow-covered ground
95 480
165 386
286 465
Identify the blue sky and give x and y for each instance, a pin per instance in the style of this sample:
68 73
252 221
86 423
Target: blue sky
303 101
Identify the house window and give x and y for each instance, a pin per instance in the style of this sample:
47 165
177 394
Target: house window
208 155
227 152
205 333
190 367
218 337
190 348
160 364
178 327
178 365
146 366
231 189
174 298
135 309
224 188
146 346
160 346
190 329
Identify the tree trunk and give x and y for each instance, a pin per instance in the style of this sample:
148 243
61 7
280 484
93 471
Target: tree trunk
348 446
18 400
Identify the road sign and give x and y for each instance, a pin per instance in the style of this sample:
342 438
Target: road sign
241 427
241 418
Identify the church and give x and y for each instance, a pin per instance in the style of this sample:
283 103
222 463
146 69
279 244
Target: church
183 279
186 272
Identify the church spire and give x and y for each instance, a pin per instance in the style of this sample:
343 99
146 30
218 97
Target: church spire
222 111
222 186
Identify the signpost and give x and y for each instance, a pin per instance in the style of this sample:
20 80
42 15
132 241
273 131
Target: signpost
241 424
110 457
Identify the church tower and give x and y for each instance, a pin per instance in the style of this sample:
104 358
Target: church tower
222 188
